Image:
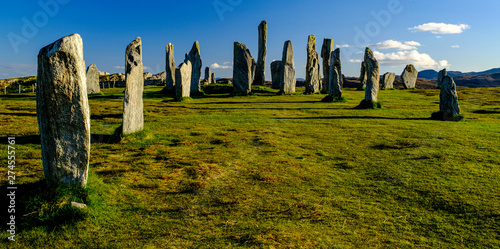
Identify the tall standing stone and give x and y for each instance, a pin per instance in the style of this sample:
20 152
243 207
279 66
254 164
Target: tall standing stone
214 81
443 73
448 98
276 67
260 71
133 113
388 80
326 51
335 75
243 69
372 76
63 112
183 80
363 76
93 79
312 68
170 67
208 75
194 57
287 79
409 77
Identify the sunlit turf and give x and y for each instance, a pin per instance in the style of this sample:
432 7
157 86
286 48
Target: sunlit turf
268 171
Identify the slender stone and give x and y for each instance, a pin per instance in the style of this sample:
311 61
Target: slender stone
443 73
335 77
372 76
183 80
409 77
93 79
133 113
326 51
243 69
448 98
195 58
276 67
170 67
63 112
208 75
287 79
260 71
312 68
363 76
214 81
388 80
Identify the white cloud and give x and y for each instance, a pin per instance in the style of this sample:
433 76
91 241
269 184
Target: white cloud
119 67
403 58
355 61
455 46
227 63
392 44
217 66
441 28
343 46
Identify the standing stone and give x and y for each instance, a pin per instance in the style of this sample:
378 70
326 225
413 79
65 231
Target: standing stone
372 76
443 73
93 79
363 76
63 112
448 98
409 76
195 58
133 114
170 67
214 81
260 71
244 66
183 80
208 75
388 80
326 51
312 68
276 67
335 77
287 79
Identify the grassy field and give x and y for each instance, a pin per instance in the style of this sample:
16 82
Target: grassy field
267 171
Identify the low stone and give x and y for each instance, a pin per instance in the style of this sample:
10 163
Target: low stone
243 69
409 77
78 205
93 79
388 80
183 80
287 79
63 112
133 106
326 51
312 67
208 75
276 67
214 81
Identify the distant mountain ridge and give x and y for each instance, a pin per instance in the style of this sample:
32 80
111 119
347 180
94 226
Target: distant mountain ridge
433 74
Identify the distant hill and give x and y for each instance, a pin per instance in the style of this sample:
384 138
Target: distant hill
433 74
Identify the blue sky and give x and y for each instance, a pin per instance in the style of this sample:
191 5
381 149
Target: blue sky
457 34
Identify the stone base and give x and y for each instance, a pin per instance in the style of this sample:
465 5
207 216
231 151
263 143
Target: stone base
369 105
441 116
330 99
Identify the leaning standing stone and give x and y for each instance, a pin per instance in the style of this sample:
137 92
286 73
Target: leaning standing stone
326 51
388 80
63 112
312 67
170 67
93 79
409 77
195 58
276 74
372 76
183 80
133 114
243 69
443 73
287 79
335 75
448 98
260 71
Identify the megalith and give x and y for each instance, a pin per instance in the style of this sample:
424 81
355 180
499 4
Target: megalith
133 107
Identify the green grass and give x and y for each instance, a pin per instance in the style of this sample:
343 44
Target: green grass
267 171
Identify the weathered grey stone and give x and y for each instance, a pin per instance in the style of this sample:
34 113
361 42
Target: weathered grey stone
63 112
147 75
78 205
443 73
409 77
93 79
214 81
372 76
312 67
195 57
170 67
335 77
448 98
287 79
276 67
183 80
326 51
362 75
243 69
208 75
260 71
133 106
388 80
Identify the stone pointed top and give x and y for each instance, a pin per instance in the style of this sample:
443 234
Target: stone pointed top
135 42
369 54
196 47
